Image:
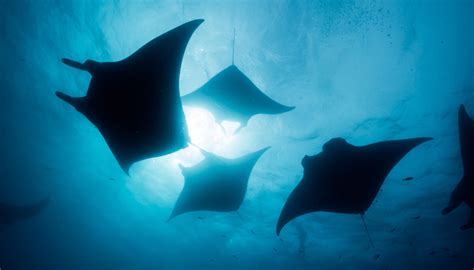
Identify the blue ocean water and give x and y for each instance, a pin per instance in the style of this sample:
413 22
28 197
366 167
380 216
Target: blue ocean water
362 70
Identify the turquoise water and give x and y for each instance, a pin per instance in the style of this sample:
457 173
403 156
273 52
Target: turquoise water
362 70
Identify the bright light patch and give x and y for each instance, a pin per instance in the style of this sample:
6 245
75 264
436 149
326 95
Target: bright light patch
160 180
205 132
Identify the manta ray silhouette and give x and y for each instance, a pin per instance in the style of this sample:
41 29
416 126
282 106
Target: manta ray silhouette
215 184
232 96
12 213
464 191
135 102
344 178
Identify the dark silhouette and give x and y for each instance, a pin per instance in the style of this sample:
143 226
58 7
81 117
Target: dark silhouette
215 184
408 178
135 102
12 213
464 191
344 178
231 96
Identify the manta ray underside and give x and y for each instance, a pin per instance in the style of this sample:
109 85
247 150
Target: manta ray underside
215 184
464 191
232 96
135 102
11 213
344 178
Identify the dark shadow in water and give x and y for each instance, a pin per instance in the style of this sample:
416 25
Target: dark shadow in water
11 213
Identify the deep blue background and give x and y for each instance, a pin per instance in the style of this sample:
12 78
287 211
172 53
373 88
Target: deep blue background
362 70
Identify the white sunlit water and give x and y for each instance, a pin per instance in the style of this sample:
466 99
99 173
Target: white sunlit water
363 70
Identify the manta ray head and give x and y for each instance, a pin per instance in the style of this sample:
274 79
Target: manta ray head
335 144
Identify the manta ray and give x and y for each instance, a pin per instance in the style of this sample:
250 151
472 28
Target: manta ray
232 96
464 191
12 213
344 178
215 184
135 102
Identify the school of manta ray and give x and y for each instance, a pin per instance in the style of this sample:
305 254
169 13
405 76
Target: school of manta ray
136 105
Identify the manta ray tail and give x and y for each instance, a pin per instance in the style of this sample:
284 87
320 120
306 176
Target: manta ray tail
367 231
470 222
239 215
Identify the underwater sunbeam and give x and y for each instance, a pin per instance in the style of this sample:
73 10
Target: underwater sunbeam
205 132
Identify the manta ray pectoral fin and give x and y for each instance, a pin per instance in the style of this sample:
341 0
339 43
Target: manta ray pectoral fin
457 197
73 101
448 209
470 222
285 109
294 207
453 204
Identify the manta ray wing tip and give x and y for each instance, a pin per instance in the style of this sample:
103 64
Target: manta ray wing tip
289 108
284 218
125 167
419 140
174 214
263 150
194 23
278 230
425 139
462 113
281 224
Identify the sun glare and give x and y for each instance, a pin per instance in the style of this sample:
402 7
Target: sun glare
205 132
